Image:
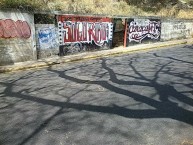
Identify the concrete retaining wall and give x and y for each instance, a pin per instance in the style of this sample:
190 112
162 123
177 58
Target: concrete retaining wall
46 40
176 29
17 37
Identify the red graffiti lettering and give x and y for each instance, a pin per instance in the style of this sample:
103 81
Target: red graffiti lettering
12 29
97 32
84 29
86 32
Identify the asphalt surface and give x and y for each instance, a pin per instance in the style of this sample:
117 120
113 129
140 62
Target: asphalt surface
135 99
47 62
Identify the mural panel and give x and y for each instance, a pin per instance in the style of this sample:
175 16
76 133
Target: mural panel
47 40
81 33
47 37
142 31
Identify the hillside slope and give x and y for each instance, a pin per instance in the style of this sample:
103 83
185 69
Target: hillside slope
163 8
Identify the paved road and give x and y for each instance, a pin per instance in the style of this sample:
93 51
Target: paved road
143 98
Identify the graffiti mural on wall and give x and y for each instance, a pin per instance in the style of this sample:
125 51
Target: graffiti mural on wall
176 30
181 29
139 30
85 32
14 29
179 26
47 37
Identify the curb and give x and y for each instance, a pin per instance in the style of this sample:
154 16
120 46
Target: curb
90 55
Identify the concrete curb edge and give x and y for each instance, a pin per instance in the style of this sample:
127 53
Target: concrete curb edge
91 55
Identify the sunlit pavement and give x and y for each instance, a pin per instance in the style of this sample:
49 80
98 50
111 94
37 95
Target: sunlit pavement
140 98
50 61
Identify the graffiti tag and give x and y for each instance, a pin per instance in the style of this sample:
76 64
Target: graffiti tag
179 26
47 37
12 29
139 30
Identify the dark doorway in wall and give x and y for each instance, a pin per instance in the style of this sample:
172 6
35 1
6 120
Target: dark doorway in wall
118 32
44 19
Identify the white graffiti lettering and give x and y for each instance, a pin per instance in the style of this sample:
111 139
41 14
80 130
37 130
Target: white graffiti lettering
86 32
138 31
47 37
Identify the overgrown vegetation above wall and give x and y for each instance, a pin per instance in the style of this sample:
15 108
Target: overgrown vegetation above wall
171 8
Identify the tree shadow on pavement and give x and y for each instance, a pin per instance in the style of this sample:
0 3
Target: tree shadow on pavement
163 108
167 105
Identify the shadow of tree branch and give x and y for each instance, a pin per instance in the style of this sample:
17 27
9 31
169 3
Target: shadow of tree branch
163 107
